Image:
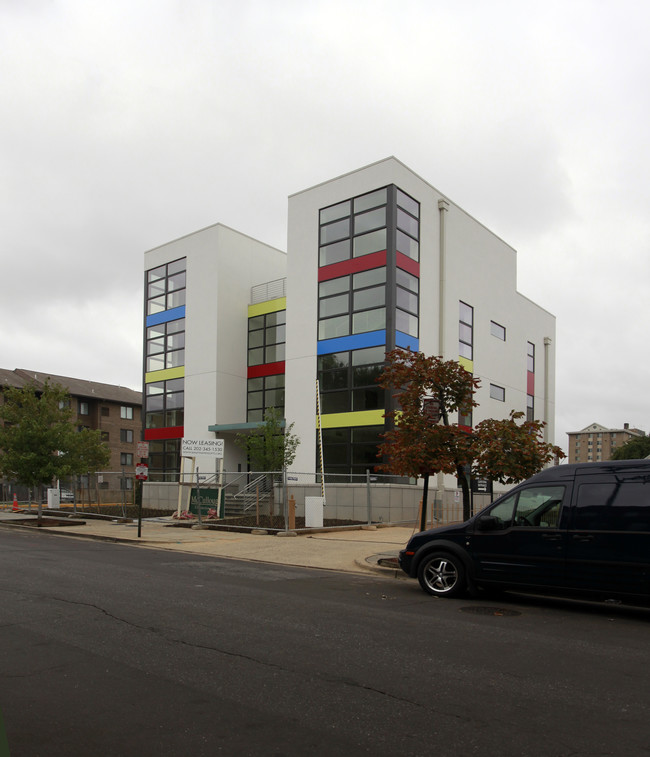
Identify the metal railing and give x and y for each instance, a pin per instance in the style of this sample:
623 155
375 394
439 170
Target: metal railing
287 500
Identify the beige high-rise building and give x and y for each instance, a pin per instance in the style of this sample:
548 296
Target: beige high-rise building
595 442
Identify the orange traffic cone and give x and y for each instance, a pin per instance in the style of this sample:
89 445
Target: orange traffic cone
15 507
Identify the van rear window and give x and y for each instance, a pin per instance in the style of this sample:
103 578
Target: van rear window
621 506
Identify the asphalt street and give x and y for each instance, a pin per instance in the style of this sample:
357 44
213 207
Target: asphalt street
110 650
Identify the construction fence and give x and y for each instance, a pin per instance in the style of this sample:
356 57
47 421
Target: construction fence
106 490
288 500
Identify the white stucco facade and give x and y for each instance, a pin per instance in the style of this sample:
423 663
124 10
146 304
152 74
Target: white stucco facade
479 269
459 260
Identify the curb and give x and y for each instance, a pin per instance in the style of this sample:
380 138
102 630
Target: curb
371 564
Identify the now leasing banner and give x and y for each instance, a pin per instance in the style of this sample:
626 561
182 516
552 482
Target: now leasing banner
196 447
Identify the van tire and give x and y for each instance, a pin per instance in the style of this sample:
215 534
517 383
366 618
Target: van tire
442 574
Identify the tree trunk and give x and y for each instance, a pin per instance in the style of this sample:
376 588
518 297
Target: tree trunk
464 485
423 514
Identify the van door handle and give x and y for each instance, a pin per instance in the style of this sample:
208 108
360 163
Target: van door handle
552 537
583 537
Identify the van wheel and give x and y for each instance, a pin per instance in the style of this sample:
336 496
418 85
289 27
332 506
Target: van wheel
442 575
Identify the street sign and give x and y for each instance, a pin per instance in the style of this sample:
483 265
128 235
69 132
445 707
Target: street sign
143 449
142 471
196 447
431 409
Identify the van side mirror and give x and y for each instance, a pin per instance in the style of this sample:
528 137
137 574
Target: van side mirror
488 523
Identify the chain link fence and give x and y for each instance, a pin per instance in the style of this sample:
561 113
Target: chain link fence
289 500
104 492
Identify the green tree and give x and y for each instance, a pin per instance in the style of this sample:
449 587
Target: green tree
39 442
423 443
633 449
271 446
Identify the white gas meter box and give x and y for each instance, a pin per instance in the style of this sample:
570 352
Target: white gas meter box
53 499
313 512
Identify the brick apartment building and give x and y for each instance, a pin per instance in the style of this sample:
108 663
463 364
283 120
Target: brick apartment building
114 410
595 442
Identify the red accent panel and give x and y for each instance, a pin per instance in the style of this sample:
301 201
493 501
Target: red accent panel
172 432
269 369
354 265
408 264
530 384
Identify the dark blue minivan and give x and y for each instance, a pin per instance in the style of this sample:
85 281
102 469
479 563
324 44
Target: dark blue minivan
579 529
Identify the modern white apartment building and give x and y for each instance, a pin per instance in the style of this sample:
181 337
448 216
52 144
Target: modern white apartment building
375 259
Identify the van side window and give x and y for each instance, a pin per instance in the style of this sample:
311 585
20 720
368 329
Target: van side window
503 511
539 507
535 507
615 506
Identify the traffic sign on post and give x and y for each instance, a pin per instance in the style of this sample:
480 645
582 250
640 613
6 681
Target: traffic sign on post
143 449
142 471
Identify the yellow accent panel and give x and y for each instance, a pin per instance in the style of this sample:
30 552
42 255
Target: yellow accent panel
270 306
164 375
347 420
468 365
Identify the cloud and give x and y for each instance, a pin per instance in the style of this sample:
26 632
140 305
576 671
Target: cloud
130 124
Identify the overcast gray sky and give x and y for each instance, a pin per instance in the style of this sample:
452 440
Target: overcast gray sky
128 124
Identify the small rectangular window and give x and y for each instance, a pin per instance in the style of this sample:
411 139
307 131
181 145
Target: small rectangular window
497 393
126 435
126 412
530 409
531 357
83 408
126 458
497 330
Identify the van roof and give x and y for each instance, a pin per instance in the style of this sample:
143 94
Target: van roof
569 471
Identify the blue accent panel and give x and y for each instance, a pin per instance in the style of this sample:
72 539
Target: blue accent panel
407 342
166 315
353 342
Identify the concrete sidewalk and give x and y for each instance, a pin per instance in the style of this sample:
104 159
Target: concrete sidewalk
355 551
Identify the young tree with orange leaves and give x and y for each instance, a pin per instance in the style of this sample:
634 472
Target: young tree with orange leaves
422 445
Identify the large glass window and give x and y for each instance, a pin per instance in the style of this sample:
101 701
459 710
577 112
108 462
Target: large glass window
164 460
342 314
166 287
348 380
266 338
163 403
351 450
166 345
264 393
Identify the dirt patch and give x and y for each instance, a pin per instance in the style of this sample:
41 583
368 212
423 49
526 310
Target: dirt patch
270 522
